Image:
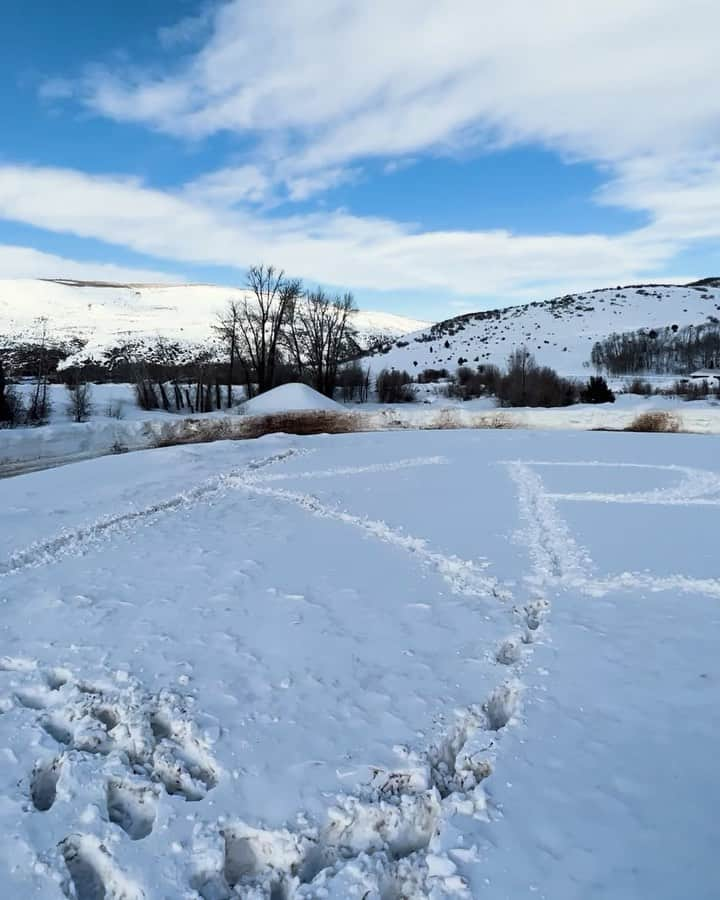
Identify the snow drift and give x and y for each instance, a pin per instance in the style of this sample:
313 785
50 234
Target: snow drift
294 397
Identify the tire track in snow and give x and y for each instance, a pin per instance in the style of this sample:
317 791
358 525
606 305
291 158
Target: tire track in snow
75 541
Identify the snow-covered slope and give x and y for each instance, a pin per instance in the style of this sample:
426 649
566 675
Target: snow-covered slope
105 315
559 332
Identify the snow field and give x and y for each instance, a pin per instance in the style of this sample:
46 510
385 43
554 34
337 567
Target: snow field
314 667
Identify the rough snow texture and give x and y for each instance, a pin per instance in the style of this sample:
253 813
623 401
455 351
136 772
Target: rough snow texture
560 333
288 398
108 315
417 665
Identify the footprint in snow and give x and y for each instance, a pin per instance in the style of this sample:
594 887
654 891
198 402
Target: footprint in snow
131 806
43 784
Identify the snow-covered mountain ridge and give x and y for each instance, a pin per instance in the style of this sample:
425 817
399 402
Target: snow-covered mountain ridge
559 332
104 314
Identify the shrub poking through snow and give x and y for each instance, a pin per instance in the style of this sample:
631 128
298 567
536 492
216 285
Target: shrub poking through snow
527 384
12 410
429 376
471 383
638 386
315 421
79 406
394 387
596 390
655 421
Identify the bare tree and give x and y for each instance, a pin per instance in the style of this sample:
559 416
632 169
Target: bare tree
320 337
79 405
262 319
227 329
38 410
354 382
12 407
5 412
527 384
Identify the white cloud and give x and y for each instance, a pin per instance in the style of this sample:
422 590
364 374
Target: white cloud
263 184
187 30
335 248
606 79
230 186
26 262
316 88
683 193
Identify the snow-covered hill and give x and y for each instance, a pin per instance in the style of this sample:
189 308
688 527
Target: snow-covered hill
104 315
559 332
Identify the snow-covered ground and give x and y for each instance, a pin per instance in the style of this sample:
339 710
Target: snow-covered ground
560 333
62 441
107 315
383 665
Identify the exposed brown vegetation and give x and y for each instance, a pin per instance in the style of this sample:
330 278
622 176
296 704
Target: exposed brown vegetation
303 422
238 428
308 422
655 421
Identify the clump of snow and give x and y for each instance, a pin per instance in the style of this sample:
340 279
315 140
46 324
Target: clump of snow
293 397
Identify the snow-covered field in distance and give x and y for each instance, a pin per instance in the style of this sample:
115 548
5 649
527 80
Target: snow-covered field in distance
62 441
560 333
418 664
108 315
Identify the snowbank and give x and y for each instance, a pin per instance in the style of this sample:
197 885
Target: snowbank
293 397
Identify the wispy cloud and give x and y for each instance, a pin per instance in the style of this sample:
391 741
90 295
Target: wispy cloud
27 262
335 248
316 89
606 79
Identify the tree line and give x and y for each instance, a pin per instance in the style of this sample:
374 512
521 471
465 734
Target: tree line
671 350
279 332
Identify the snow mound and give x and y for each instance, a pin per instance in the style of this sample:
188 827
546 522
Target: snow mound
288 398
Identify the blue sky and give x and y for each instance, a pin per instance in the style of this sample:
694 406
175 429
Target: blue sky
429 159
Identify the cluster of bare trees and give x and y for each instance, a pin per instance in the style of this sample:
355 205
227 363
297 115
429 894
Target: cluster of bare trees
277 333
525 383
664 350
34 407
280 332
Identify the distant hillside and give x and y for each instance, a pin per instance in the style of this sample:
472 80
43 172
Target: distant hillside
559 332
103 315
